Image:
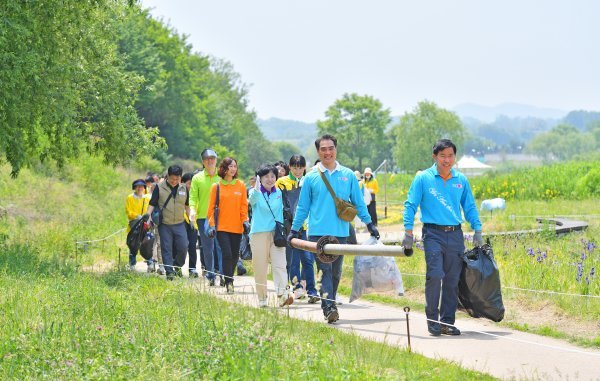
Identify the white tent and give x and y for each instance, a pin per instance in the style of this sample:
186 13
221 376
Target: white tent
471 166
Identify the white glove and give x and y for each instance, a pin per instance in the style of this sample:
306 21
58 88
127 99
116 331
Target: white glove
257 184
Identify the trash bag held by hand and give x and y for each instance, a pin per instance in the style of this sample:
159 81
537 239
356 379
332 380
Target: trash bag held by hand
140 238
375 274
147 245
245 250
240 268
479 292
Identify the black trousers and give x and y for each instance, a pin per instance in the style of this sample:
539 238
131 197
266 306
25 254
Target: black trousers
372 208
230 250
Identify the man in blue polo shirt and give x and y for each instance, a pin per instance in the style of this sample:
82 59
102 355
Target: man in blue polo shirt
441 191
317 204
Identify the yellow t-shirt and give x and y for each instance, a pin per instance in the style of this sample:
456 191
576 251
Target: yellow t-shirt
136 206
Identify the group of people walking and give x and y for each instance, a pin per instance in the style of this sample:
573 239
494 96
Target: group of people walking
287 201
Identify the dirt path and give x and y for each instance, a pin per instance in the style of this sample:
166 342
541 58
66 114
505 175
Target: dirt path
483 345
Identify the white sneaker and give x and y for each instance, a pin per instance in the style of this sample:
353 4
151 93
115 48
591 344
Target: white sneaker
263 303
161 270
299 293
338 301
131 267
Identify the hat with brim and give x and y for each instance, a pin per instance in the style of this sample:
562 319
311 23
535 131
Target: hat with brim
138 183
368 170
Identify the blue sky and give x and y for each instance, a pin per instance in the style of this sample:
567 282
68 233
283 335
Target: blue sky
300 56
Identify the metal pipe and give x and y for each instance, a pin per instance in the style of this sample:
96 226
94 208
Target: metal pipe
327 249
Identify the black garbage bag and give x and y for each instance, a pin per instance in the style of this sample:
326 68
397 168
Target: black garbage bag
479 292
240 268
140 238
245 250
147 245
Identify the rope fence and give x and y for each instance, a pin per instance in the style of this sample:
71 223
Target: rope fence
378 307
396 310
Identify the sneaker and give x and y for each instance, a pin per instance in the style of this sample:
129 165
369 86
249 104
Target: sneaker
161 270
434 328
312 299
338 301
263 303
299 293
331 315
222 282
194 274
151 267
229 287
286 299
211 282
450 330
131 268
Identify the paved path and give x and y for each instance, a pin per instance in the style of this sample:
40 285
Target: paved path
483 345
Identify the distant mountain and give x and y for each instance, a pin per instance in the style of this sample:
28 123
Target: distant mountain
512 110
301 134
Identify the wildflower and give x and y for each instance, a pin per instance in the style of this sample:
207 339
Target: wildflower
583 256
579 271
539 259
590 246
544 256
592 272
530 252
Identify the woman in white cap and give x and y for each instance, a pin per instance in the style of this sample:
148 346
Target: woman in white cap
371 184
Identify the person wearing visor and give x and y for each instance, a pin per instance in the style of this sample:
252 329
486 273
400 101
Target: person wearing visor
199 196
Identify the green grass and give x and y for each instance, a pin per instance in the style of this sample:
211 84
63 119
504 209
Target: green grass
63 324
59 322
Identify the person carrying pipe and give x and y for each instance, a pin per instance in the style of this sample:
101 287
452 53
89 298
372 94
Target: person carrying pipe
317 204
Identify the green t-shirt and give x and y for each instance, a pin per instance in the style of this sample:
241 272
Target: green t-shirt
199 192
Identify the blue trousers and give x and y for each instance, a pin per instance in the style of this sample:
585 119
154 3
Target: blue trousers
332 273
173 246
443 251
212 263
307 260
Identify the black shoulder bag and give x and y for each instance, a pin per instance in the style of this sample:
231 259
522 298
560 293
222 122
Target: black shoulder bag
216 212
157 213
279 235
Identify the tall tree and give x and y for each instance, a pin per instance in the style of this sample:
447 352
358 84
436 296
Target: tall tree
62 84
416 132
358 122
563 142
286 150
